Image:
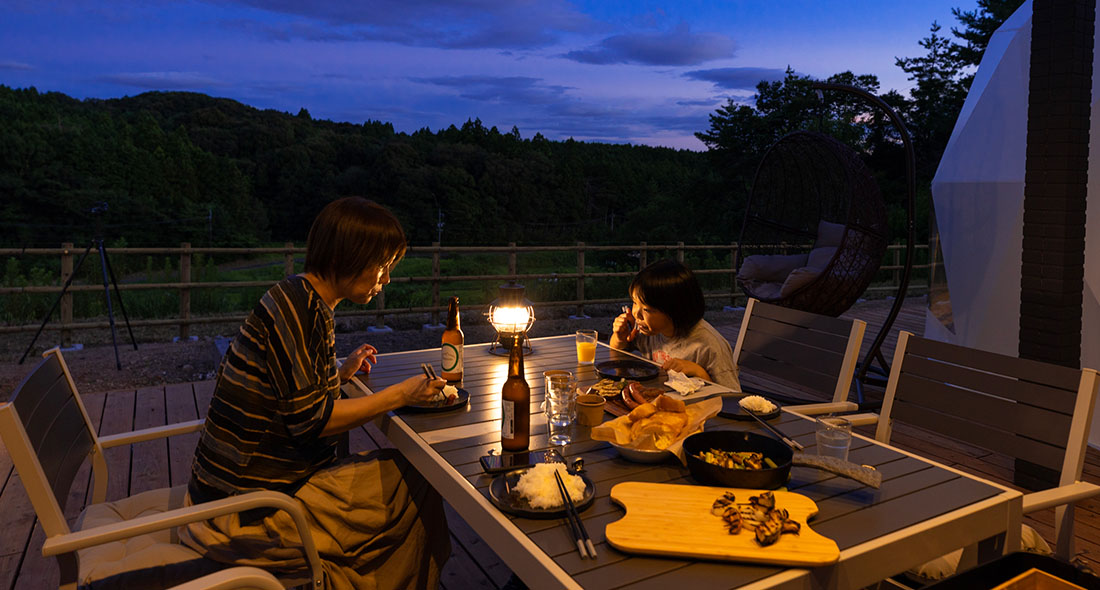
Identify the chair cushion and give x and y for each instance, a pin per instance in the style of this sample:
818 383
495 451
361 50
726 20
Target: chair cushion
945 565
769 268
829 234
799 277
763 290
821 257
146 561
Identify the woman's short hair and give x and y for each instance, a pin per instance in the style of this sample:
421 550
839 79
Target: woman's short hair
671 288
351 235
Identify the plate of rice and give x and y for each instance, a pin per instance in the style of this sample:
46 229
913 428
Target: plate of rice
450 398
737 408
533 492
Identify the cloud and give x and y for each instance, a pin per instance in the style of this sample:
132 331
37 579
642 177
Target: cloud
679 47
737 78
162 80
15 65
453 24
500 89
699 102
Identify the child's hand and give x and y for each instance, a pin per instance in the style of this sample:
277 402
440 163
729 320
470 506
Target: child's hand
686 367
624 326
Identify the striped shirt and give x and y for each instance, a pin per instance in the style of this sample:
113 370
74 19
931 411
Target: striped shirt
274 394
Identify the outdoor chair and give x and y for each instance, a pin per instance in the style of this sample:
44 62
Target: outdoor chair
127 543
1029 410
236 578
808 350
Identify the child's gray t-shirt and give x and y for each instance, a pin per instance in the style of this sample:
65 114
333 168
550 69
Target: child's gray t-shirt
703 346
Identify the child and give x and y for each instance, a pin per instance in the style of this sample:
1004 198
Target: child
666 325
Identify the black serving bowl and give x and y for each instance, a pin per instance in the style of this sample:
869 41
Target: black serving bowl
733 440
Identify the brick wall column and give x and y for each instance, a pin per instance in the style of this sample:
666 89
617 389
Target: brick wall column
1056 184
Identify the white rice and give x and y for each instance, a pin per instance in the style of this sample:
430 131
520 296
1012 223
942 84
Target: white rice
755 403
449 390
540 488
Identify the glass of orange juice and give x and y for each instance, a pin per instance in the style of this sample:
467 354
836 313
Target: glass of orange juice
586 346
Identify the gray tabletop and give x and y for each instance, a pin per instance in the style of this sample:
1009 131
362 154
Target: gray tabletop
921 510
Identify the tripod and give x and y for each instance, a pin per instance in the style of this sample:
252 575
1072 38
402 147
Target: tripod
105 266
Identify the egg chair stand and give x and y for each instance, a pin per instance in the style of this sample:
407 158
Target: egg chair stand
867 372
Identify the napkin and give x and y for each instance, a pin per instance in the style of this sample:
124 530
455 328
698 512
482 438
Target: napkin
682 383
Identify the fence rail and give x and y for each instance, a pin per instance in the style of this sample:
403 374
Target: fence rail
185 285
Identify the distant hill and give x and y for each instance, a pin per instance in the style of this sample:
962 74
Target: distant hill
180 166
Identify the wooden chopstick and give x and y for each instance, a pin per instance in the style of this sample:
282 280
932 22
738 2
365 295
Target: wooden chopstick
786 439
579 532
428 371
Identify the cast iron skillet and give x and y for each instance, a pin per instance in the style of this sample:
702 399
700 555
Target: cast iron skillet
733 440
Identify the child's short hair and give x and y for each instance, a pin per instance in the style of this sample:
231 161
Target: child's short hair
351 235
671 288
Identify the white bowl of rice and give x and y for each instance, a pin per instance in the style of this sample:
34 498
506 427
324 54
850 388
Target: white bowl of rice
539 487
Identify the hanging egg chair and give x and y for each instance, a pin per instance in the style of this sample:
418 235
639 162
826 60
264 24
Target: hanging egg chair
814 232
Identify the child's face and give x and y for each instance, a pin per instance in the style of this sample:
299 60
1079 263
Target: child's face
651 321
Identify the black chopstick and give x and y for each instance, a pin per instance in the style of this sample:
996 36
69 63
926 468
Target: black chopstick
786 439
579 533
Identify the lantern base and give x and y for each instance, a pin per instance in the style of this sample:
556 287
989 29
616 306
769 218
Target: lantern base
500 347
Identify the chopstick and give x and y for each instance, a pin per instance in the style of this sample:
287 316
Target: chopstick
786 440
575 524
429 372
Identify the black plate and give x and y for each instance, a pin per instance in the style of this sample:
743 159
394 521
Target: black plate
503 496
627 369
732 409
460 402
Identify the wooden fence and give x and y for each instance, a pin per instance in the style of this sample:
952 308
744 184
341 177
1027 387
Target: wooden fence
185 285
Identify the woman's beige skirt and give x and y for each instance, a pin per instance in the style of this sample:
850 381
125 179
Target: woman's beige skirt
376 523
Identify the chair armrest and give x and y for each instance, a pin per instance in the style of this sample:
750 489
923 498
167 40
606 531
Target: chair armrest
1060 495
822 408
128 438
249 577
865 419
173 518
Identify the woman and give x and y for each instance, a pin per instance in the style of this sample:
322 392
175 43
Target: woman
666 325
276 411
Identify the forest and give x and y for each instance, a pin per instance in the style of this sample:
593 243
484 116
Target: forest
172 167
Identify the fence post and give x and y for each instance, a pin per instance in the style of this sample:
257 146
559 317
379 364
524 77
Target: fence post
680 252
288 260
580 280
734 247
642 253
380 324
897 262
512 261
185 292
67 298
435 283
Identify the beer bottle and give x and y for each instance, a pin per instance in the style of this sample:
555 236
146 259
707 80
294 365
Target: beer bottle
515 406
452 344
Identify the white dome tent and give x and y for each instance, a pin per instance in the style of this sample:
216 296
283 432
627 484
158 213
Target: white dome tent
978 195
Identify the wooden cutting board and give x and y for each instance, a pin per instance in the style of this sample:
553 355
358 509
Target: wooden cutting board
669 519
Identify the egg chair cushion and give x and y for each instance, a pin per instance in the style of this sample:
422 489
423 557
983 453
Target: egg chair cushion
770 268
819 258
799 277
829 234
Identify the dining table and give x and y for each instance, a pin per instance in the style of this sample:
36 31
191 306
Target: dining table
921 510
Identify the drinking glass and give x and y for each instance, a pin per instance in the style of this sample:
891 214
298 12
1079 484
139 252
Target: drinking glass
560 405
586 346
834 437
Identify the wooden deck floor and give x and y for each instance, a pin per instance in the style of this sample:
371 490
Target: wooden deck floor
473 564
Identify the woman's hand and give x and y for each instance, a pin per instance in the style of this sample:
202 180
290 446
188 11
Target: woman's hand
360 359
686 367
419 390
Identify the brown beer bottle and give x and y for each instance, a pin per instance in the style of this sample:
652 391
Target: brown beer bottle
451 349
515 406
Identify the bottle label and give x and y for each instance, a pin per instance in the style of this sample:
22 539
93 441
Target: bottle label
452 358
508 419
